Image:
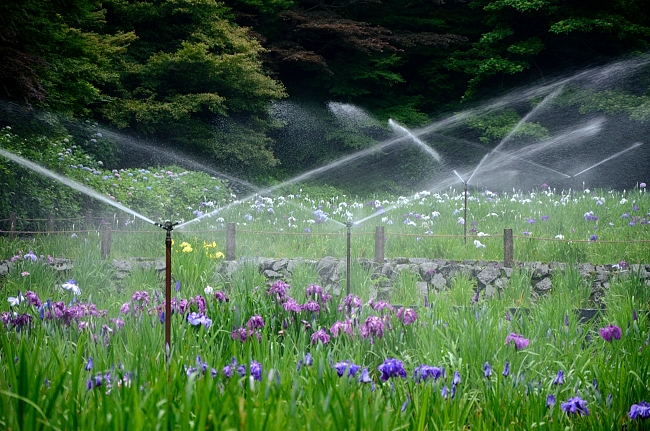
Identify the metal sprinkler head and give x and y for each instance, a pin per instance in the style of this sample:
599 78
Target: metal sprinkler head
167 225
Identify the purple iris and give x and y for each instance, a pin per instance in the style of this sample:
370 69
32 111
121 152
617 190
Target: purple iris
518 340
311 306
407 315
559 379
391 368
609 332
196 319
641 410
256 370
279 289
372 327
348 365
424 372
228 369
308 361
576 406
487 370
221 296
456 379
320 335
33 298
550 401
255 322
89 364
292 305
342 327
506 369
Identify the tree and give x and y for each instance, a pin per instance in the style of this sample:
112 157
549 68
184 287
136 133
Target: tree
53 54
544 36
188 71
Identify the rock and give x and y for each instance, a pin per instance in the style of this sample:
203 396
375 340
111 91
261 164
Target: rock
586 270
423 287
439 282
543 286
122 265
5 266
267 264
491 291
602 274
62 264
226 268
487 276
329 269
428 270
269 273
279 265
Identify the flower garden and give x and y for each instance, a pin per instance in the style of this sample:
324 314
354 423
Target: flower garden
81 349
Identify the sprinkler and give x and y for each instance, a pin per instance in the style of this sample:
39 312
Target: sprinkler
465 209
168 226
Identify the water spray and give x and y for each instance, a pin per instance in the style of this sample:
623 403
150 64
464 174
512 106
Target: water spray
168 226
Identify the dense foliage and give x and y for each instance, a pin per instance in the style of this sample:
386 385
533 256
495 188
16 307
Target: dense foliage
202 75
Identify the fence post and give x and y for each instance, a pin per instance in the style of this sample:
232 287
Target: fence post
508 254
379 244
230 241
12 226
105 247
50 224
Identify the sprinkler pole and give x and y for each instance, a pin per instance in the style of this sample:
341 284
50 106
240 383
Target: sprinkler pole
168 226
349 225
465 215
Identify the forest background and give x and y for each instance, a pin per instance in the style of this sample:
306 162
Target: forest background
205 77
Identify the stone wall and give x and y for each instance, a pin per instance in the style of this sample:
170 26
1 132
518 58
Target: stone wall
432 274
437 274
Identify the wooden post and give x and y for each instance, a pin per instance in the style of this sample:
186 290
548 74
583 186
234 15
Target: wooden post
508 253
230 241
105 247
380 242
50 224
12 226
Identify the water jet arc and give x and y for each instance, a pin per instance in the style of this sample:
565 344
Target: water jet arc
635 145
71 183
396 126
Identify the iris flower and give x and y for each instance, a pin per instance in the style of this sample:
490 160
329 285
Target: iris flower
391 368
641 410
348 365
609 332
576 406
518 340
487 370
506 369
320 335
424 372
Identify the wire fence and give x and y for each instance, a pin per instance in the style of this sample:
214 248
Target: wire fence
105 227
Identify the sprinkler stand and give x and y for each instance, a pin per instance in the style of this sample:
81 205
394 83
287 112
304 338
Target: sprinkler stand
168 226
349 225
